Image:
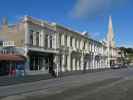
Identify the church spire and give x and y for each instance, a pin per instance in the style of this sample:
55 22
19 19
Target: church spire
110 34
110 27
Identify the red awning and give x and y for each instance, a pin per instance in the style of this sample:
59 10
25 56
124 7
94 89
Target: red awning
11 57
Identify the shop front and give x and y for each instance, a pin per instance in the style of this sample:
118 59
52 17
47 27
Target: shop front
11 64
41 62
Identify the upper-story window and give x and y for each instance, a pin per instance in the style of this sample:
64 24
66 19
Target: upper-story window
37 38
84 45
66 40
46 41
31 37
62 39
59 40
93 46
90 46
79 44
75 43
1 43
71 38
99 48
51 40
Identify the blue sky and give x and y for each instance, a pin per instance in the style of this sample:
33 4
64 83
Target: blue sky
80 15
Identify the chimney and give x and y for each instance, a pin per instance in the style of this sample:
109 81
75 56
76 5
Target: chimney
4 24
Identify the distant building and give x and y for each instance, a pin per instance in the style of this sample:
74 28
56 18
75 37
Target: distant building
50 46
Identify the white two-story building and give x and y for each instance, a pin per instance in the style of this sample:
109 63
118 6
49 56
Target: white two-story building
50 46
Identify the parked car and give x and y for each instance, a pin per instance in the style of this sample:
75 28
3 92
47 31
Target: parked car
116 66
124 66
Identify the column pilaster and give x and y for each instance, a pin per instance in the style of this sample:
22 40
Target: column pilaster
82 62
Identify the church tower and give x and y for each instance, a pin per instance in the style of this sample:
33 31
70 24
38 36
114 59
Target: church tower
110 34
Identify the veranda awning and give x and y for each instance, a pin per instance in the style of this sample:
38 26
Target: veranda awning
11 57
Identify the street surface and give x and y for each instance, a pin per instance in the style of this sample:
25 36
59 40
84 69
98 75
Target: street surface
109 85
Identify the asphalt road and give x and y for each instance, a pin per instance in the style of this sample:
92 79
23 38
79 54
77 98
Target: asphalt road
109 85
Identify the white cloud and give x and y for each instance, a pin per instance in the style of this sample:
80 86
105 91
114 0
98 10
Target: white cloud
96 35
93 8
126 44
